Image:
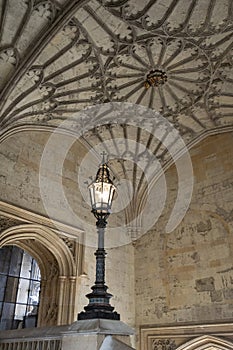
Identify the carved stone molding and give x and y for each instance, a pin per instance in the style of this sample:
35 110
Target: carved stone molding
163 344
187 337
6 222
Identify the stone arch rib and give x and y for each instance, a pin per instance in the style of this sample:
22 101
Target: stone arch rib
206 342
47 238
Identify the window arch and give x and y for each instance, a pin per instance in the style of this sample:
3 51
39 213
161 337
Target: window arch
19 288
58 271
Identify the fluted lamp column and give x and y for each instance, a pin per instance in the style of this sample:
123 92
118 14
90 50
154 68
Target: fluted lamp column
101 193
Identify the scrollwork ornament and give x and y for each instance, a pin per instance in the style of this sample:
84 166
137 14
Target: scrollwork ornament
9 55
163 344
45 9
70 244
6 223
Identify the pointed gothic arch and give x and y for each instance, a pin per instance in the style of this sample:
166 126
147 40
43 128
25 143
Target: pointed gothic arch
57 266
207 342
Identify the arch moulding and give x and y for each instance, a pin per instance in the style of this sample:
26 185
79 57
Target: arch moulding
58 270
217 336
206 342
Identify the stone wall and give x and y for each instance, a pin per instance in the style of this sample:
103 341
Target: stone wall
187 275
182 276
20 182
20 157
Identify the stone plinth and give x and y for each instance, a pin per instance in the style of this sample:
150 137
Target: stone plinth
93 334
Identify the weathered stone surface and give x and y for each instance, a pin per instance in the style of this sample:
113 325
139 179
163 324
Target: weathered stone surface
186 275
205 285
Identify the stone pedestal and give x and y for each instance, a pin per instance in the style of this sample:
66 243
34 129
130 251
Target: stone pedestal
96 334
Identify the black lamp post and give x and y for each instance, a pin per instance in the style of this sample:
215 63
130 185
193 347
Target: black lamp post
101 192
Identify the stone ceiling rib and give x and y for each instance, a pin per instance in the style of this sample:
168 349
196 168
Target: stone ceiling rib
65 13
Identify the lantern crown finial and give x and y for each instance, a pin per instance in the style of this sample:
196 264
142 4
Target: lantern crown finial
104 157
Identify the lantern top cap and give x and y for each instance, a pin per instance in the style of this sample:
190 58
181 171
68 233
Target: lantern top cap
103 174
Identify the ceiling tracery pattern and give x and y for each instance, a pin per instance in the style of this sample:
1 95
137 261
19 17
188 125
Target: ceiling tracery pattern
103 51
186 68
58 57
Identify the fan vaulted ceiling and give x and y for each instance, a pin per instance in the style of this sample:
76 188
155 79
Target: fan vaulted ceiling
58 57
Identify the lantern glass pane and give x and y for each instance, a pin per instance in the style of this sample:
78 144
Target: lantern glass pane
92 194
111 195
101 195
